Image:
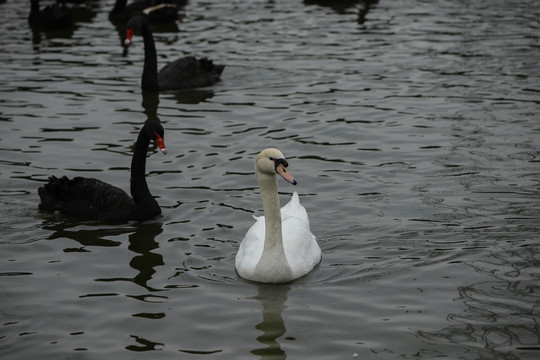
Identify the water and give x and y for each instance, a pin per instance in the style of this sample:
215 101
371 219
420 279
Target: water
412 128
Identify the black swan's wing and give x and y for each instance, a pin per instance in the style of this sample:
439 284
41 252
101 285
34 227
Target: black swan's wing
189 72
86 198
155 10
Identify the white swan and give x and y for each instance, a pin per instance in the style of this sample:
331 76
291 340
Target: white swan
279 247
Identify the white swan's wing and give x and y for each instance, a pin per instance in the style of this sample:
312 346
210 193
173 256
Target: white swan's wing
300 245
301 248
251 247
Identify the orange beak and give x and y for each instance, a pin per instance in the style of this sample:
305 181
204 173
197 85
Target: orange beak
282 170
161 144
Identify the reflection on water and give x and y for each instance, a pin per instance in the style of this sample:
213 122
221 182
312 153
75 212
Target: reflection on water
143 242
272 299
342 6
38 35
194 96
85 235
499 315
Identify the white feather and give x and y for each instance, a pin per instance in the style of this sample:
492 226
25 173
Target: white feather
301 249
279 247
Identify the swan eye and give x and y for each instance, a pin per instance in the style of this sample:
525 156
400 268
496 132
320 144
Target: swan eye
280 161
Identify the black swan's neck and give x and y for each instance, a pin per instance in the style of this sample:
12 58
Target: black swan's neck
150 73
144 201
34 7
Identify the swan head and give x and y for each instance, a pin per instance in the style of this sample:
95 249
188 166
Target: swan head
271 162
134 26
154 131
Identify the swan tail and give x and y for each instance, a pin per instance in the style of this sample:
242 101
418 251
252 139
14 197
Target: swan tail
58 190
207 65
53 193
58 193
293 207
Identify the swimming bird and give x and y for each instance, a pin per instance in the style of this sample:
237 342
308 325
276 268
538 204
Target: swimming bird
279 247
51 16
154 10
93 199
184 73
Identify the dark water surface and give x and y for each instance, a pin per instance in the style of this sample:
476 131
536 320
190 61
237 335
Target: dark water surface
413 128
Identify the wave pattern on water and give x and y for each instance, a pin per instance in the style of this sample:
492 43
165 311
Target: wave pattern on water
412 130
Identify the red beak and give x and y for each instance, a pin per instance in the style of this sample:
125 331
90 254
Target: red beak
129 36
161 144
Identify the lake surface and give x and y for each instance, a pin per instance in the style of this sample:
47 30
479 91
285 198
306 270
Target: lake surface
412 127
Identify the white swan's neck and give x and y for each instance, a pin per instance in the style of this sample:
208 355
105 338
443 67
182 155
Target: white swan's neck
269 194
273 256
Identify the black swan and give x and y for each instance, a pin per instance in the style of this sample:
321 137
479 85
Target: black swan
184 73
94 199
154 10
52 16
